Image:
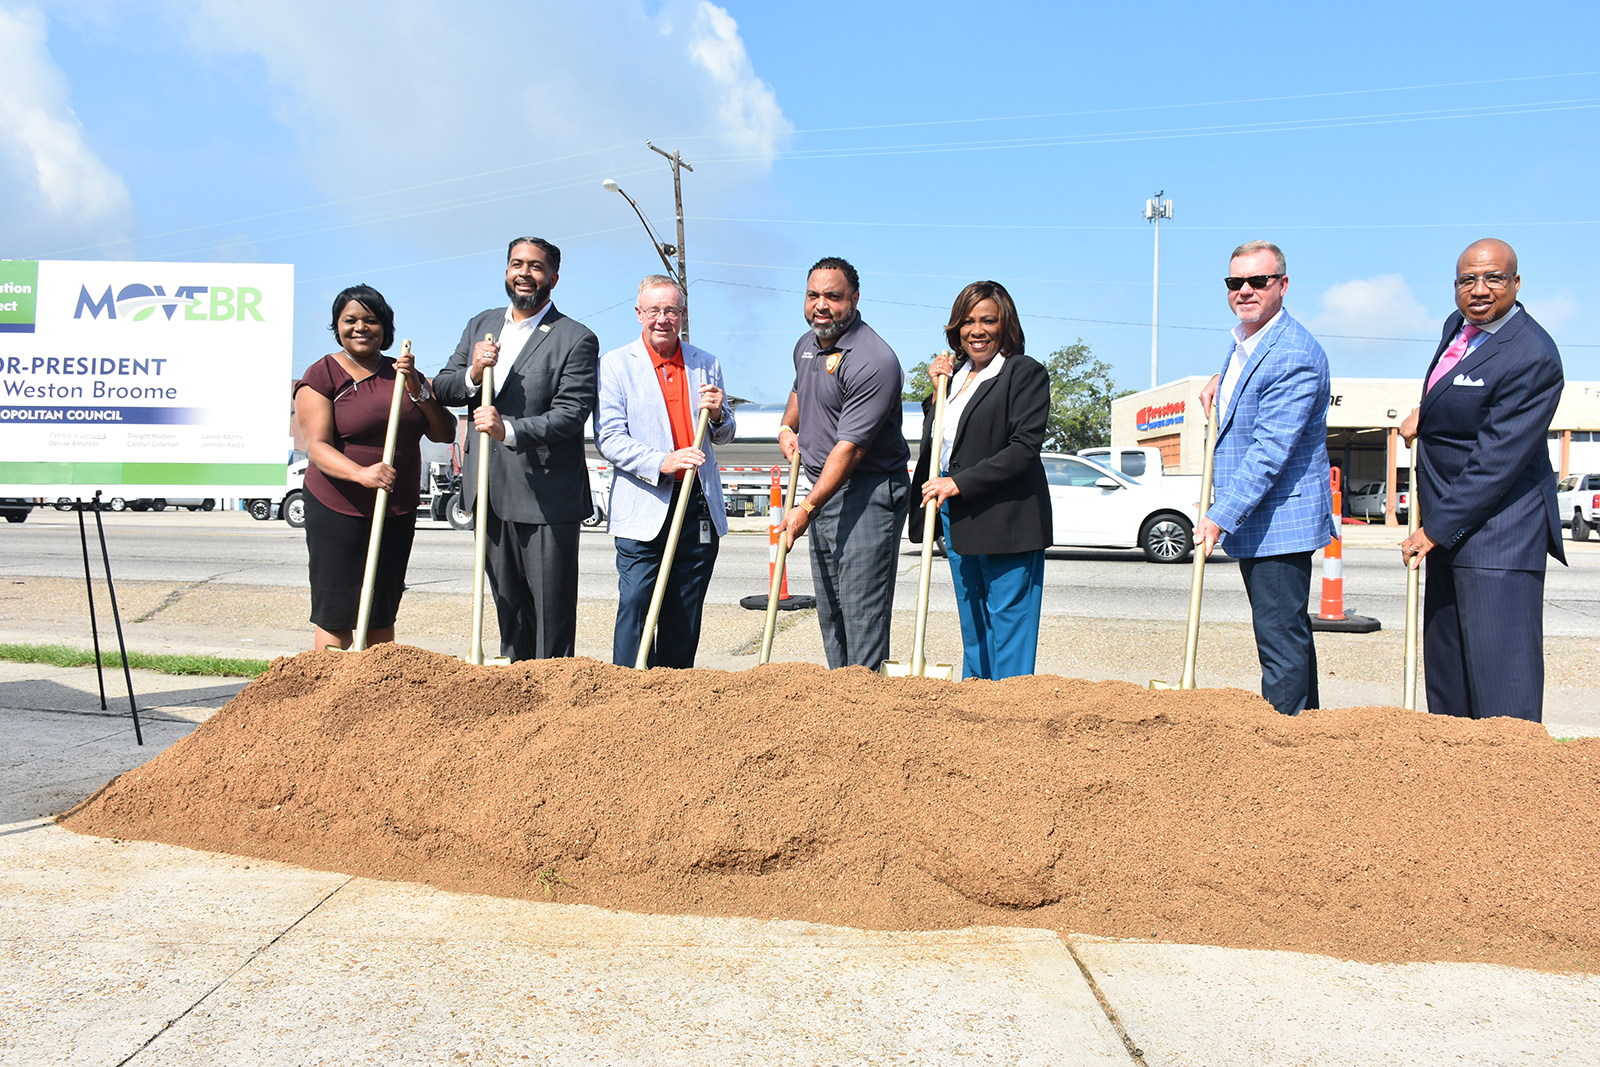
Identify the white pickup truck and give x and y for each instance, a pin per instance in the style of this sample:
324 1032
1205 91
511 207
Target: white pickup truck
1578 501
1135 461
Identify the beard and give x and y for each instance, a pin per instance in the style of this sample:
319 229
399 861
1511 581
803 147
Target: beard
527 304
828 332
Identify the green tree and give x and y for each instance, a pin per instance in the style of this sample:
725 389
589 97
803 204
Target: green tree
1081 391
918 384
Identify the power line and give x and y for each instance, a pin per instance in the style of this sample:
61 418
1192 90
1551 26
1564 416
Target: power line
336 203
1171 107
911 149
498 251
1103 322
1233 226
1133 137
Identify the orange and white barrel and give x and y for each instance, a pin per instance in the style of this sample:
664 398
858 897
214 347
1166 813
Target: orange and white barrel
775 520
1333 560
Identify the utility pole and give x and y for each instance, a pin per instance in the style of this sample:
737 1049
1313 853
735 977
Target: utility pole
678 163
1155 210
678 274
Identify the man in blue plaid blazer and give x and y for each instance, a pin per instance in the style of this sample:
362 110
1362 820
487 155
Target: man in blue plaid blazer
1274 506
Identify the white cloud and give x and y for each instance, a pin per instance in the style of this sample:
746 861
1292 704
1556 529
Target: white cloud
1361 312
749 110
406 92
57 191
1553 312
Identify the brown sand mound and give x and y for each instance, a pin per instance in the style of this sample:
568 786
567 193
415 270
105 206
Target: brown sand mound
788 791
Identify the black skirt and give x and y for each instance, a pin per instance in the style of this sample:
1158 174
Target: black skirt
337 545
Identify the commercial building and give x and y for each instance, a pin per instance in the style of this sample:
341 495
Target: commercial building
1364 416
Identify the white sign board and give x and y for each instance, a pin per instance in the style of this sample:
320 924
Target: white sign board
144 379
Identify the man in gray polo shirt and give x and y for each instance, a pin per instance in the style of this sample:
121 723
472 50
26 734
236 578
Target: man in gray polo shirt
844 416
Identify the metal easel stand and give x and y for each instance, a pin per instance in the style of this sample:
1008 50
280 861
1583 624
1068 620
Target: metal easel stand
116 615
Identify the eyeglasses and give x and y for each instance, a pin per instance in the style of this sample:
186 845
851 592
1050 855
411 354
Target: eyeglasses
652 314
1257 281
1493 280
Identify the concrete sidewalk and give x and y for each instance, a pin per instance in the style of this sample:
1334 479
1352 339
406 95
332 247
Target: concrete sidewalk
118 952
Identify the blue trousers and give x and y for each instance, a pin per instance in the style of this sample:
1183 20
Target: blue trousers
1279 588
1000 598
1483 640
638 564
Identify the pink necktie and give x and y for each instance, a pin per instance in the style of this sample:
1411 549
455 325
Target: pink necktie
1453 354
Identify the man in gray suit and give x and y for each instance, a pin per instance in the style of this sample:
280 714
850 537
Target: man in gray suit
538 481
652 391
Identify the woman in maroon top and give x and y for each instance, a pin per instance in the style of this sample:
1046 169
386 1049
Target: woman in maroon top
342 403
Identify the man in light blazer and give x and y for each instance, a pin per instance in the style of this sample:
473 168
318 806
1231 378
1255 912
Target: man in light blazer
544 392
1488 495
1274 502
651 393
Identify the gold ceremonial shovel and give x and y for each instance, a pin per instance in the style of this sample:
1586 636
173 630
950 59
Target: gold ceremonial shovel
919 666
1413 585
380 507
648 638
481 533
1191 644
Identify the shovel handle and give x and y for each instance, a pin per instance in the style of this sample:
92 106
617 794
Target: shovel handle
1191 644
480 546
1413 589
771 626
647 638
380 507
930 521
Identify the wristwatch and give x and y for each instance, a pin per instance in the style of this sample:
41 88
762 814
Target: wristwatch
427 393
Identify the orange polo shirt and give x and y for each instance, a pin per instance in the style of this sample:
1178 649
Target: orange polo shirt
674 380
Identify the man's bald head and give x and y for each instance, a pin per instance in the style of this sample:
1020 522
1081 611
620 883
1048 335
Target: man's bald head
1501 251
1487 282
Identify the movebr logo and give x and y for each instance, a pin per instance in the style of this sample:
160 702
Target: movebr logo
19 291
200 303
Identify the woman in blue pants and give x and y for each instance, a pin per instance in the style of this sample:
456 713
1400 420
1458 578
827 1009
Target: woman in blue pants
990 485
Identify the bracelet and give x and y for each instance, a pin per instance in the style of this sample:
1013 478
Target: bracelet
807 505
782 426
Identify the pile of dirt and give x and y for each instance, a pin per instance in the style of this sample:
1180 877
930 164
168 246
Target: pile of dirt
791 792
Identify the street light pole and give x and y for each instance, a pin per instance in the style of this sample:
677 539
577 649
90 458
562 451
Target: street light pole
1155 210
678 164
678 274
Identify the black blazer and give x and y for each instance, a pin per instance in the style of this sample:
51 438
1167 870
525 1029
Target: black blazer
1004 504
1487 490
547 393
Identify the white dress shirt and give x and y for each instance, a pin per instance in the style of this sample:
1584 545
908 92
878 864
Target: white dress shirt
513 335
1243 348
958 403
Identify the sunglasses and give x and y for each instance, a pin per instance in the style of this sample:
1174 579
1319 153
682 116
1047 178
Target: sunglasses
1257 281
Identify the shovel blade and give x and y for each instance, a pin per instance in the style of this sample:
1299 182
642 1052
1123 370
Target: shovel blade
944 672
1157 683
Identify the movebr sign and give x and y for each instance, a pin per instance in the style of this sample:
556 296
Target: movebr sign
144 379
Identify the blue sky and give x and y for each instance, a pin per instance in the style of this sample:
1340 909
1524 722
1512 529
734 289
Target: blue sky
931 144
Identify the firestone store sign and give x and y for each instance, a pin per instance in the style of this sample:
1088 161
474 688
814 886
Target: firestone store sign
1158 416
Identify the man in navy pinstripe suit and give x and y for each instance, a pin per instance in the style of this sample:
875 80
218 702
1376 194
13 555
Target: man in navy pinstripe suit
1488 495
1274 502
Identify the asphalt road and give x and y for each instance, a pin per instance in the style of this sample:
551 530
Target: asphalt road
230 547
